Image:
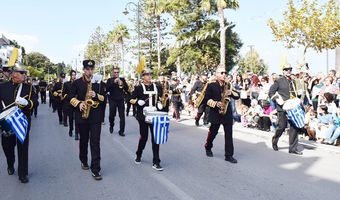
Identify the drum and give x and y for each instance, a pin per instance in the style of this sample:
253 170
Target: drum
5 126
149 115
295 112
13 121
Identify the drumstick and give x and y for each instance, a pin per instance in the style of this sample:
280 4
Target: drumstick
12 103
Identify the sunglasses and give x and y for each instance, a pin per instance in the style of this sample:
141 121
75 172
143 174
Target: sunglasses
287 69
115 72
223 73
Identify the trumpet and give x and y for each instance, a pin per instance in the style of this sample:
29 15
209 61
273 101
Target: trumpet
119 82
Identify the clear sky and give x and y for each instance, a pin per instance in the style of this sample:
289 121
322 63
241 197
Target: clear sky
60 29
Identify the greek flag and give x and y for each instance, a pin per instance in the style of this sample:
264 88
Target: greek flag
160 125
297 116
19 124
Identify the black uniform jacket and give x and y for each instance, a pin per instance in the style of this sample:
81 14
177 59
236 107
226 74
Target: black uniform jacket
138 95
198 86
57 88
77 95
212 96
66 93
8 93
116 93
42 86
283 86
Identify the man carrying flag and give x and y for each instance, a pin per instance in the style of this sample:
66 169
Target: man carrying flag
17 92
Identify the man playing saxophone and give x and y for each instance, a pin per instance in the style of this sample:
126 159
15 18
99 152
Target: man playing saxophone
217 97
199 90
85 96
58 97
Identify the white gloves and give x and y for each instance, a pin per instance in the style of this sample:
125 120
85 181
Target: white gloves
141 102
21 101
159 105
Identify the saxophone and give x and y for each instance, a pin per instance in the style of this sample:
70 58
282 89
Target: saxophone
225 99
165 95
201 96
88 102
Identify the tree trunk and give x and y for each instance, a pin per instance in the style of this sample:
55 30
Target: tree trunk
158 42
123 59
337 59
222 37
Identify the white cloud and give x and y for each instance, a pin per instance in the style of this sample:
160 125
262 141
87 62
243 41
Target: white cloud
28 41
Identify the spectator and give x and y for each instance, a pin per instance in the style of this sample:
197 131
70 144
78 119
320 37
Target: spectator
324 125
336 133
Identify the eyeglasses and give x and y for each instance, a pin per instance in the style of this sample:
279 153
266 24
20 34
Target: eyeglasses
115 72
287 69
223 73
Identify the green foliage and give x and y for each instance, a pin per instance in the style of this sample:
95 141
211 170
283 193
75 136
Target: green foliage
309 26
41 64
252 62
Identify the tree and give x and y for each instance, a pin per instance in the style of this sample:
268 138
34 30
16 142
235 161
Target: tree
203 54
252 62
96 48
219 6
309 26
118 35
40 62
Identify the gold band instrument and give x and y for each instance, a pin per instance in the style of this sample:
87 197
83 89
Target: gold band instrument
225 99
200 98
131 88
89 103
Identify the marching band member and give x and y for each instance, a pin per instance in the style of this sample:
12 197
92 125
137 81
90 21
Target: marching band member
26 100
117 87
141 98
164 84
176 98
217 97
68 110
35 84
199 89
128 97
58 97
42 89
86 96
284 89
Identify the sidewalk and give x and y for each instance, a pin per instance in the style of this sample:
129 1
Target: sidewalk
189 121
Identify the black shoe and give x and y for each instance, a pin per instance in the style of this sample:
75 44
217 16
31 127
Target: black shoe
97 176
138 160
230 159
122 134
296 152
209 153
197 122
10 170
70 133
85 166
157 166
35 116
111 129
23 179
76 137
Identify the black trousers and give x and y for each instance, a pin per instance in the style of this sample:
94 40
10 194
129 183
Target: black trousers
128 106
293 131
8 145
177 108
68 113
228 138
202 109
143 130
43 96
114 104
90 132
59 107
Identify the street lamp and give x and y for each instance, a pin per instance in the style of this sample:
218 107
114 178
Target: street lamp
134 8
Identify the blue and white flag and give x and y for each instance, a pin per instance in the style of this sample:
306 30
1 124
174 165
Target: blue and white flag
297 116
160 125
19 124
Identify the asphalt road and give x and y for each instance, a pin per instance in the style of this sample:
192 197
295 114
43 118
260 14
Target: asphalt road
55 173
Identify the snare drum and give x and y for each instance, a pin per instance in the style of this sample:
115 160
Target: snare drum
295 112
4 125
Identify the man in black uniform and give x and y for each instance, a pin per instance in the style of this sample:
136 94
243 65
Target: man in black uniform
131 86
117 87
25 101
199 89
68 110
141 98
165 99
50 95
42 89
35 84
86 96
284 89
176 98
58 97
5 74
217 97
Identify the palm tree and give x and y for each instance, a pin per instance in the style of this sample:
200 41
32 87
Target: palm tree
219 6
118 35
156 8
